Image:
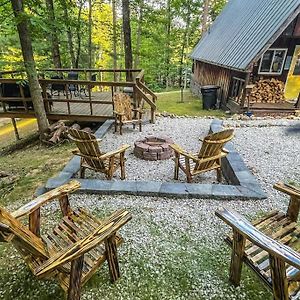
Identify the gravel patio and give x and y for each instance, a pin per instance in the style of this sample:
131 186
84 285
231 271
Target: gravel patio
174 248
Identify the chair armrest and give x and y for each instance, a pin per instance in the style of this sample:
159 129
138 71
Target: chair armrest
245 228
179 150
114 152
79 248
206 159
30 207
288 189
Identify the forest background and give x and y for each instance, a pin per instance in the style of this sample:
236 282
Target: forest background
90 34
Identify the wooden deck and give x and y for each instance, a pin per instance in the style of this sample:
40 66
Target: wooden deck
85 110
92 104
284 107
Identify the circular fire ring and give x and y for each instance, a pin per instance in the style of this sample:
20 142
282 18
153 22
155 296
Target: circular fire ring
153 148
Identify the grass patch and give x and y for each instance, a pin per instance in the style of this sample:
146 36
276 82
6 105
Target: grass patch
192 105
29 168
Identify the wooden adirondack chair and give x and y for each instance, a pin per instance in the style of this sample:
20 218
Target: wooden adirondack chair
124 112
270 246
93 158
208 158
76 247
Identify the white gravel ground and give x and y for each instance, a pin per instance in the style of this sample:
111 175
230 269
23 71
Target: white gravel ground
174 248
270 148
184 131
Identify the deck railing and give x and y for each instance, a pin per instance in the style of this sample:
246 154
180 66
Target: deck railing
237 90
66 86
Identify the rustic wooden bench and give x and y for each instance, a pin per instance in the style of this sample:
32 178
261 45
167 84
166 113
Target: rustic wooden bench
75 248
270 246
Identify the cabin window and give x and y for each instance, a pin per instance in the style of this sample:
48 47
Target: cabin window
272 61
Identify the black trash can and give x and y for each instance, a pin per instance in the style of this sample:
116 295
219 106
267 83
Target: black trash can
209 96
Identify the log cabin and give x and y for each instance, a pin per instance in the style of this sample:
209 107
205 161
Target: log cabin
252 51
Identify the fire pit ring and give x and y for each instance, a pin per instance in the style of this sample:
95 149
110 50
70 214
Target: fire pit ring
153 148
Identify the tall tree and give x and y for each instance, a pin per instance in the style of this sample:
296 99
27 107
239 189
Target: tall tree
168 41
78 33
127 38
139 34
184 45
205 14
114 27
54 36
90 24
69 32
26 45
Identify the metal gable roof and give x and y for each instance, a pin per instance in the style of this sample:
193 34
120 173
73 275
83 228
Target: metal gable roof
242 30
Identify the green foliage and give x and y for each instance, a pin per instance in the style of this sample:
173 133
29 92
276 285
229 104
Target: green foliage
164 25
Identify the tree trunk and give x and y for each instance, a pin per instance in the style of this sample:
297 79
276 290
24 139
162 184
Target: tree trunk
205 16
168 50
90 36
114 34
127 38
26 45
69 32
139 35
78 33
184 45
54 37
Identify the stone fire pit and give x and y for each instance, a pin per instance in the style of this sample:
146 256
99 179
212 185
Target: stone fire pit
153 148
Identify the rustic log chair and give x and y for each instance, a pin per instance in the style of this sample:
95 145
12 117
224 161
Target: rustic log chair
270 246
125 113
76 247
208 158
93 158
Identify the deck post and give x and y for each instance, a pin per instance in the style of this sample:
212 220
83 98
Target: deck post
14 123
245 92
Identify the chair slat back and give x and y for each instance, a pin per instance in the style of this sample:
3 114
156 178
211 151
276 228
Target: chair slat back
212 146
122 105
20 236
88 146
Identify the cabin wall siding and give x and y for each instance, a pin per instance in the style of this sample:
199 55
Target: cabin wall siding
206 74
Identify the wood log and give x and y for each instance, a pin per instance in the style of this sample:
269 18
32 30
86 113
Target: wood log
267 91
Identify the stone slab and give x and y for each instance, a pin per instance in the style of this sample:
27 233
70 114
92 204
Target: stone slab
177 190
148 188
198 190
124 187
62 178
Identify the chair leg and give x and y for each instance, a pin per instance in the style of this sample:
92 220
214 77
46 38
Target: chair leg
75 279
112 257
188 178
238 248
140 126
219 174
82 172
176 168
121 125
279 279
122 165
111 168
187 170
133 125
116 126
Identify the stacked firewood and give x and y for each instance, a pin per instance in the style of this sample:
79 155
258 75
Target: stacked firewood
58 132
267 91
